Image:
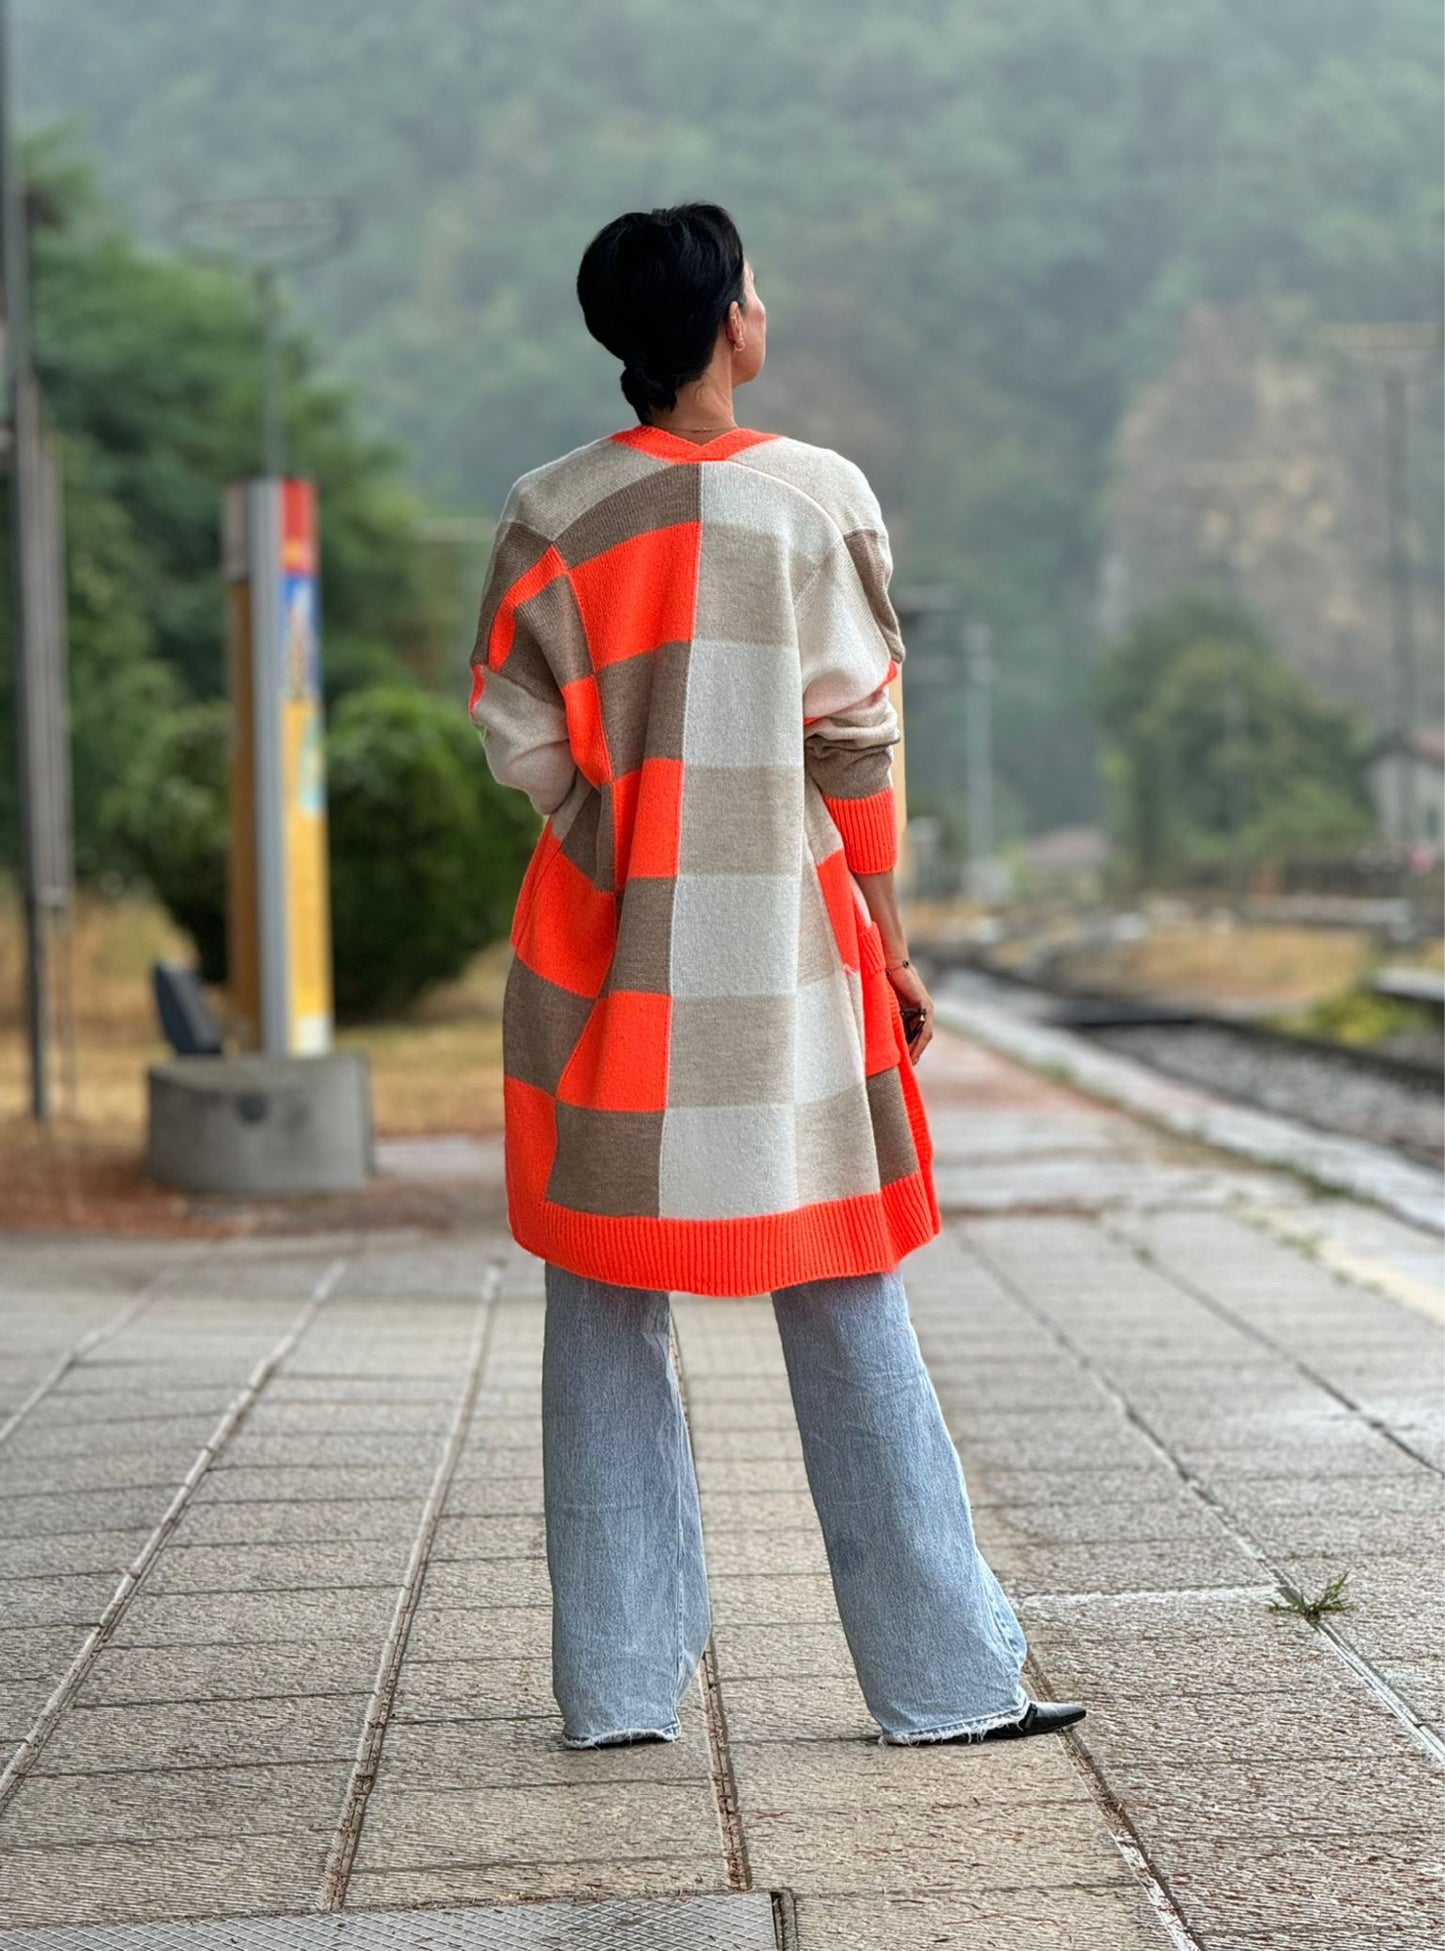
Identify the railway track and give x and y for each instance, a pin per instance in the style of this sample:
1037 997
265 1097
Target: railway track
1393 1101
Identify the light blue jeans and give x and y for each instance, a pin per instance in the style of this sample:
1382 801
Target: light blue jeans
936 1646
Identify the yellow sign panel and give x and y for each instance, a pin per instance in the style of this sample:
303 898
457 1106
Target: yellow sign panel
280 900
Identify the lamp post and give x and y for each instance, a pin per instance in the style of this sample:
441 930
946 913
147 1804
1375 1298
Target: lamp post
268 233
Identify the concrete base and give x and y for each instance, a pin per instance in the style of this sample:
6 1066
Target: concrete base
254 1124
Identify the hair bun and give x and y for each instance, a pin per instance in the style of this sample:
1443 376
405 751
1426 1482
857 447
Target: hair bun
642 389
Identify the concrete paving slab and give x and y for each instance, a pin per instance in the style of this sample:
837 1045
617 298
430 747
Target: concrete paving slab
113 1442
37 1652
1160 1565
590 1879
1420 1682
802 1778
487 1463
384 1390
1326 1796
480 1632
421 1828
1174 1515
223 1670
774 1598
508 1581
464 1538
294 1566
379 1520
256 1485
798 1549
1309 1883
177 1805
237 1876
259 1618
856 1852
20 1702
515 1495
477 1689
1383 1936
332 1450
764 1652
131 1468
1222 1729
1084 1917
1205 1643
77 1600
205 1734
799 1707
525 1751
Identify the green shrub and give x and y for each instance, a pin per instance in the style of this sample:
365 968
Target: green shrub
171 823
427 850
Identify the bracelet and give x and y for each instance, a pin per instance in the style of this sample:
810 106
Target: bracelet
889 967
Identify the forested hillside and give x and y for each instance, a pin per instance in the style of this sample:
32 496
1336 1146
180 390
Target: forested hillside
976 226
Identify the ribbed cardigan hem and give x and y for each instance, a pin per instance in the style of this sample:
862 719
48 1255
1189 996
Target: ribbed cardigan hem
756 1254
868 829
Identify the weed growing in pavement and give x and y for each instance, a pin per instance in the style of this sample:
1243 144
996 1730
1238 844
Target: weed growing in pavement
1330 1600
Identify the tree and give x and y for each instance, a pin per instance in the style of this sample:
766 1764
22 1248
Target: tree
149 370
1218 753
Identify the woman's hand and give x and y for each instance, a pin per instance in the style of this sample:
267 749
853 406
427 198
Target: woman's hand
911 994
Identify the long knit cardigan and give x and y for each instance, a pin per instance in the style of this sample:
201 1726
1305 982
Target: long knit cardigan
682 659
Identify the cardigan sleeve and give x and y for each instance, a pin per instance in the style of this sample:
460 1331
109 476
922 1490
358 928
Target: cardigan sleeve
516 702
850 649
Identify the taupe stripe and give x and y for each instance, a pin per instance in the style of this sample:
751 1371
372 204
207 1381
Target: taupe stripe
660 500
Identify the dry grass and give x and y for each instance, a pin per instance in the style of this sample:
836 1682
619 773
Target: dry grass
440 1068
437 1070
1230 962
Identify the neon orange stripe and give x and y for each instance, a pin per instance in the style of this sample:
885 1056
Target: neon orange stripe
504 625
869 828
870 1233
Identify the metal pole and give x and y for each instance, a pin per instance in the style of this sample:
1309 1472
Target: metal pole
1402 593
273 442
978 759
24 432
267 687
1236 751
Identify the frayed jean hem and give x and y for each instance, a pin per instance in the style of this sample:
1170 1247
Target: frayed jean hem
952 1730
618 1736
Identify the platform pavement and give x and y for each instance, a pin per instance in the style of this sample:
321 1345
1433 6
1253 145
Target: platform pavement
275 1611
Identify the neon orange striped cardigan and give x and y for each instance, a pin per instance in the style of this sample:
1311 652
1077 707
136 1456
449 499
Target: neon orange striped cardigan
682 659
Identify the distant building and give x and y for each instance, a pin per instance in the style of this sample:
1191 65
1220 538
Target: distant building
1409 770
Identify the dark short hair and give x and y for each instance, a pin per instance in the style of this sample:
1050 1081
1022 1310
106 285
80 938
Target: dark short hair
655 287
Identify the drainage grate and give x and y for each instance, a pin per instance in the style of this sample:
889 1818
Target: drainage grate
736 1923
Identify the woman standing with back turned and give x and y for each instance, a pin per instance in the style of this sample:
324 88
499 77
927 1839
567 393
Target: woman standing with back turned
683 660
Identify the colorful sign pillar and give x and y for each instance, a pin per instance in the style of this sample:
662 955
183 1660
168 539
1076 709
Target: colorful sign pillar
279 907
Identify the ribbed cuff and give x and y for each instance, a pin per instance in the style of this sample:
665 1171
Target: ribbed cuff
869 828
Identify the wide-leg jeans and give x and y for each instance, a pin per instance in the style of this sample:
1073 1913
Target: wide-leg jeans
934 1641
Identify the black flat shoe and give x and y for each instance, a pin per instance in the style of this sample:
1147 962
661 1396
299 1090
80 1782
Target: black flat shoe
1039 1717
